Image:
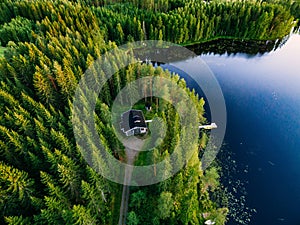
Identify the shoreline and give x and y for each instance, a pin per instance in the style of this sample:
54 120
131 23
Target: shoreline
206 41
295 29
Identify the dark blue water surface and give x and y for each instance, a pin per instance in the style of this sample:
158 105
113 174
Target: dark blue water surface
262 95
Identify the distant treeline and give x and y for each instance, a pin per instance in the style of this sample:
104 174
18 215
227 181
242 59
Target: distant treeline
180 22
197 21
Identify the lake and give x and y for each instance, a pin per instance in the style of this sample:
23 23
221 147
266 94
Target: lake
262 95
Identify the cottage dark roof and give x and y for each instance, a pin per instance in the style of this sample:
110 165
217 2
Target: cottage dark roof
131 119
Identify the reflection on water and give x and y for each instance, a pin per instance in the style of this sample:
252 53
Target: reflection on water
263 101
229 46
262 95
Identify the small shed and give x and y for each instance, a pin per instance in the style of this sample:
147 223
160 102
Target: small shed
133 123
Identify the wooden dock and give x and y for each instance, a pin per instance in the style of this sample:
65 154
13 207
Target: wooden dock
209 127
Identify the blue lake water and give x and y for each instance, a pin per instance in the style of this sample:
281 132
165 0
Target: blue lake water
262 95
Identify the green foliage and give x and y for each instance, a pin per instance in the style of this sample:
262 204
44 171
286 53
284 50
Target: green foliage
211 179
219 216
17 220
49 44
132 218
16 190
82 216
165 205
198 21
18 29
2 49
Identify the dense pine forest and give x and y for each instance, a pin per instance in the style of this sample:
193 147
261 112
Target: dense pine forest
46 46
